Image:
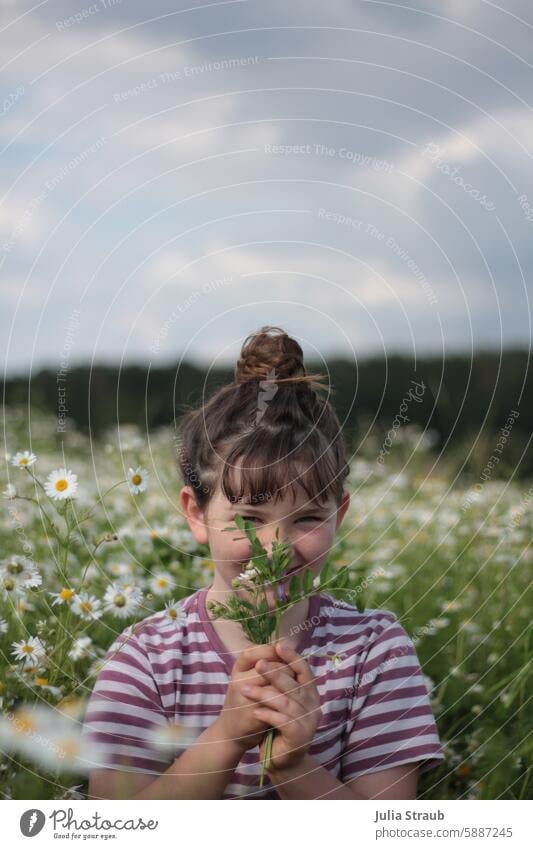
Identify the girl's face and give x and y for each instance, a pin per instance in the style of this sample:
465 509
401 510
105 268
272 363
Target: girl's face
309 529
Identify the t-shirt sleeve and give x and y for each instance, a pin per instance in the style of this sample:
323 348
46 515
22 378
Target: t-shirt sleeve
124 714
391 721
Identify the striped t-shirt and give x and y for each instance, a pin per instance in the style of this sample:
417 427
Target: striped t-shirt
161 673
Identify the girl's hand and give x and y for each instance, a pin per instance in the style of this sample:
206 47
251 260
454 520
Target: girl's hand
290 704
237 721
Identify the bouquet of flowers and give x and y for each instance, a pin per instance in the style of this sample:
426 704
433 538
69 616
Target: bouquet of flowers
259 621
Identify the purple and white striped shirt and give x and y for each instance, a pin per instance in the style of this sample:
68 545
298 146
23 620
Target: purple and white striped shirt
376 712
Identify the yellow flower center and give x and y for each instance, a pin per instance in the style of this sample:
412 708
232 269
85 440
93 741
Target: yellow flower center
9 584
119 601
86 606
136 480
15 568
68 749
172 613
162 582
24 723
66 594
61 484
41 682
24 461
27 649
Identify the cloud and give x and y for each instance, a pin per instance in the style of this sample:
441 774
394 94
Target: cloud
185 147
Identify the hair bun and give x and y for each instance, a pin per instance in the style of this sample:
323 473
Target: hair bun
271 354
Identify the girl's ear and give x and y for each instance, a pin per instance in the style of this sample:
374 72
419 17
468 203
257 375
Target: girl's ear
194 514
342 508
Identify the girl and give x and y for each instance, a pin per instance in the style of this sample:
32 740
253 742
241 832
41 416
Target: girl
343 690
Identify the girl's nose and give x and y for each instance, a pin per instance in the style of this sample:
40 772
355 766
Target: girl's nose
267 536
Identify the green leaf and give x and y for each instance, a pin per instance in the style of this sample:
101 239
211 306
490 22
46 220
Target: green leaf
294 587
325 574
342 579
308 581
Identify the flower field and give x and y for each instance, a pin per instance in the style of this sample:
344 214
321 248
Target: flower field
92 541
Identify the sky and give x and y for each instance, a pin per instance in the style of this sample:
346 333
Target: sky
358 172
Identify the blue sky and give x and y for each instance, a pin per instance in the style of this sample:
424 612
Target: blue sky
356 172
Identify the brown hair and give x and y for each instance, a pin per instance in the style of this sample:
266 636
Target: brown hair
271 424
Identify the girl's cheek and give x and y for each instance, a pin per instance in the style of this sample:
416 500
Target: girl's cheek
314 544
235 551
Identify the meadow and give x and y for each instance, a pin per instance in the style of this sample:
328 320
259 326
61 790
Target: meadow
83 555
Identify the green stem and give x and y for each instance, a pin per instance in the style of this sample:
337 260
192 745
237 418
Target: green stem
96 547
98 501
267 759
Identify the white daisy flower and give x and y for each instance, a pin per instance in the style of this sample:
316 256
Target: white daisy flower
119 570
64 596
172 737
66 748
96 667
61 484
74 792
174 610
161 583
29 651
159 532
42 684
137 479
23 459
122 600
80 648
87 606
452 605
22 570
10 589
3 626
21 603
9 492
336 659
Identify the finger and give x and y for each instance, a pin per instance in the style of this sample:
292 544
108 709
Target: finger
281 677
273 699
264 665
275 719
295 661
247 658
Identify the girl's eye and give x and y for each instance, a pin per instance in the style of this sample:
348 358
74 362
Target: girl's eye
303 519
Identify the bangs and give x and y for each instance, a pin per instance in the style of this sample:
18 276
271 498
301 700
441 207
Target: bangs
266 467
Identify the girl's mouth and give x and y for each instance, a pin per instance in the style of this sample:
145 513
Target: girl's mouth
293 569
